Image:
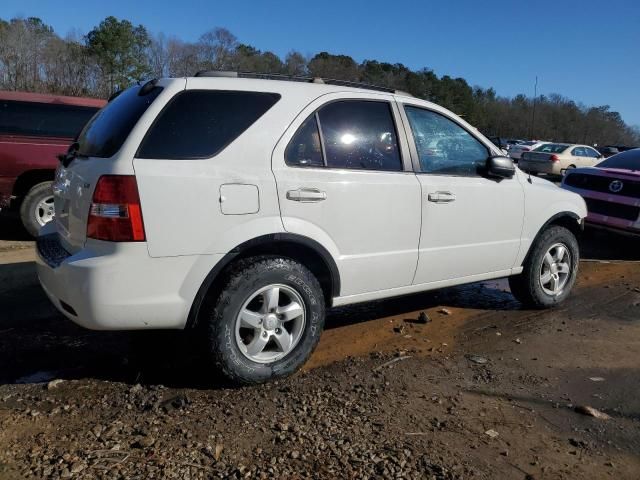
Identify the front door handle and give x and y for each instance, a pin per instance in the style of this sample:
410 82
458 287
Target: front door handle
441 197
306 195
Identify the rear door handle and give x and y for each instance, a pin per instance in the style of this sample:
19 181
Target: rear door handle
441 197
306 195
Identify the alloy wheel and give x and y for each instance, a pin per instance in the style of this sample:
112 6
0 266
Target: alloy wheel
270 323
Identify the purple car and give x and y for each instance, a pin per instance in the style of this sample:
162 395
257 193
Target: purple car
611 190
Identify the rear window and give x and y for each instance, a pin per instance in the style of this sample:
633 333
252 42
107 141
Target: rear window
629 160
201 123
106 132
551 148
43 119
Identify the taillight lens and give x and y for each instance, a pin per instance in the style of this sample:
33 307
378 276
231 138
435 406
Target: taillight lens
554 158
115 213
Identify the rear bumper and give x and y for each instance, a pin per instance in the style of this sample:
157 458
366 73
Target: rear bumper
118 286
550 168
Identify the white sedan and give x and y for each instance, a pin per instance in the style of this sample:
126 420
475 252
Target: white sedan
517 150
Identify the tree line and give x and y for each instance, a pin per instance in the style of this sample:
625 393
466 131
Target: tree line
117 53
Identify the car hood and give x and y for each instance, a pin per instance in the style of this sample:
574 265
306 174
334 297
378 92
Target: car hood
607 172
623 171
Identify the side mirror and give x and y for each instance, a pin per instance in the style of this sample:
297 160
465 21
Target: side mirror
500 167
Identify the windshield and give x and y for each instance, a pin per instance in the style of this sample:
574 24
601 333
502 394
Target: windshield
109 128
551 148
629 160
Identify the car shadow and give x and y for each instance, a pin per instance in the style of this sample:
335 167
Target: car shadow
490 295
596 244
38 344
11 229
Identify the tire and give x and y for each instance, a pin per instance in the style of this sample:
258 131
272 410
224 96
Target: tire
230 342
530 287
33 217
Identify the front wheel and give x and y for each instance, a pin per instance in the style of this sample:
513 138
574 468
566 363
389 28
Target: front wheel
550 270
266 321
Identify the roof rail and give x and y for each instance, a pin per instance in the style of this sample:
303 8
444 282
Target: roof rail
297 78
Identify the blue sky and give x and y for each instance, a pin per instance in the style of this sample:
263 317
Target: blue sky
587 50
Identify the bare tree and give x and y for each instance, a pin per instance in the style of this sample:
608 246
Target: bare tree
117 53
185 59
217 47
295 63
21 52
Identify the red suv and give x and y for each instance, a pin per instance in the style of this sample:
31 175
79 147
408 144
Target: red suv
34 129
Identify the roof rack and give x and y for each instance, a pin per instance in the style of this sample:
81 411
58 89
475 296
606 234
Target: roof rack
297 78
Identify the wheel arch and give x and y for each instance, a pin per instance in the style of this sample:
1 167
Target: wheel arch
567 219
29 179
297 247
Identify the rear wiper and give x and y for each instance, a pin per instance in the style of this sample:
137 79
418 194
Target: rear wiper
72 154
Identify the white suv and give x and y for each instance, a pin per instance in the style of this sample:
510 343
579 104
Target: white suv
246 206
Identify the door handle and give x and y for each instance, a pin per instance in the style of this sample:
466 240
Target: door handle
441 197
306 195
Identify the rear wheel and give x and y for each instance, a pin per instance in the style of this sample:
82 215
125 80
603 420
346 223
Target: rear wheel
36 209
549 271
266 321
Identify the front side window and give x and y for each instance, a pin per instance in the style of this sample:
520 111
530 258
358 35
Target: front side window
201 123
443 146
592 153
43 119
350 134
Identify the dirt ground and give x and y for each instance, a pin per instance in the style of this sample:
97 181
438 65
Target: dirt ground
483 390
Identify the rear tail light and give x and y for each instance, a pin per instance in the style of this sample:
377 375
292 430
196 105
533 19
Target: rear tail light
115 213
525 149
554 158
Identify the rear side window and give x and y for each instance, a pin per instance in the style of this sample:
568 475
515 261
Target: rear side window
349 134
304 149
359 135
43 119
106 132
551 148
201 123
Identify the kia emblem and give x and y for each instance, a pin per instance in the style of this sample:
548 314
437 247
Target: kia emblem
616 186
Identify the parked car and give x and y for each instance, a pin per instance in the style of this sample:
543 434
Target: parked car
608 151
246 206
34 129
611 190
556 158
499 142
517 150
511 142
